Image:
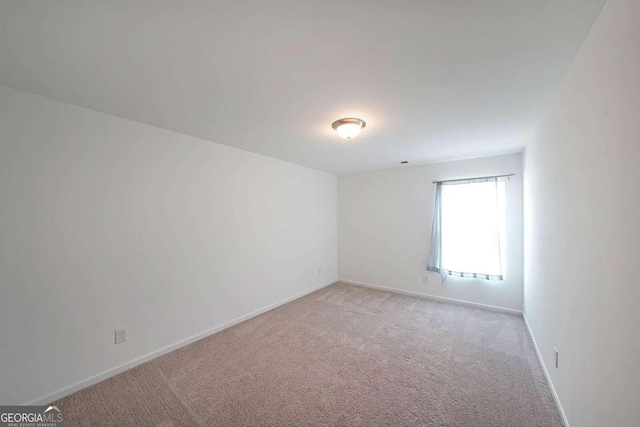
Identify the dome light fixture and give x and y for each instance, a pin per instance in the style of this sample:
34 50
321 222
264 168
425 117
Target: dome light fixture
348 128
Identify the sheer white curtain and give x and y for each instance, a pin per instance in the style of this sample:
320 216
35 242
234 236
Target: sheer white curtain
467 237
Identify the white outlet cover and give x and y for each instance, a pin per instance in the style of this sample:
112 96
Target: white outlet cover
121 335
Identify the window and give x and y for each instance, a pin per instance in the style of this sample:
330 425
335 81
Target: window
467 236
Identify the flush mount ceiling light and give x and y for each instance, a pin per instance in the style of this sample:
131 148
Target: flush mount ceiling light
348 128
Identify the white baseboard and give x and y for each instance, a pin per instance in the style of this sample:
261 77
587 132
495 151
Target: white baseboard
556 399
65 391
433 297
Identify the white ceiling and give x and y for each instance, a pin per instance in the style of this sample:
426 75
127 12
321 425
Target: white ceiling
434 80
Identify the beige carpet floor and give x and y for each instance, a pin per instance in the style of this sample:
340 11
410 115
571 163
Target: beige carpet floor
343 355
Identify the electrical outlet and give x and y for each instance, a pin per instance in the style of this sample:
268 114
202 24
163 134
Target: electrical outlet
425 278
555 356
121 335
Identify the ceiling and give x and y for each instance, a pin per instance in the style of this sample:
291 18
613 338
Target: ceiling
434 80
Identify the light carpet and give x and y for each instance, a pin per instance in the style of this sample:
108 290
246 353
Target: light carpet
341 356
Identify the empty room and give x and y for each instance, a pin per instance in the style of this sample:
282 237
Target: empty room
320 213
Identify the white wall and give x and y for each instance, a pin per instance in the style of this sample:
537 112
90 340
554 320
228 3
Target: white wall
384 230
107 223
582 212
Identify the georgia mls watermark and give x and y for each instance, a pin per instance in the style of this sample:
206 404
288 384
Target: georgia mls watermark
31 416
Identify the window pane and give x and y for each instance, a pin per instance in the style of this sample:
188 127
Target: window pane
473 227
